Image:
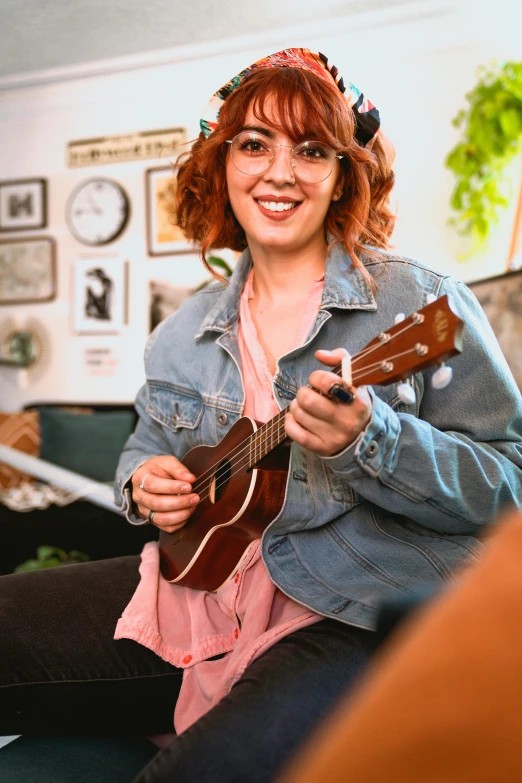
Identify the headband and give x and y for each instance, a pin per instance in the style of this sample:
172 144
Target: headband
367 120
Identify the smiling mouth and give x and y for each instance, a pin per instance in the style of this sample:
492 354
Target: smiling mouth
278 206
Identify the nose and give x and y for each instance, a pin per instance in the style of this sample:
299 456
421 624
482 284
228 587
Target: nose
281 170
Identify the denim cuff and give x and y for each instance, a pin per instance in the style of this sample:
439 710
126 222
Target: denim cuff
371 448
123 498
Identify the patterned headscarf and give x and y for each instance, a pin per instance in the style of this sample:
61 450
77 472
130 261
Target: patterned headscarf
367 120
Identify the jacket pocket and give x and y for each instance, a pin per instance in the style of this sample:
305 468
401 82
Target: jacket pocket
174 406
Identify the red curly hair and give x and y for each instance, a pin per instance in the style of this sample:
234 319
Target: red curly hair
305 106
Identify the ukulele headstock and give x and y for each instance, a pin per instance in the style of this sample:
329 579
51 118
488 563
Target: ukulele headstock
427 337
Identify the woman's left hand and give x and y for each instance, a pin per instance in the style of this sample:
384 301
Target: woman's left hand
321 424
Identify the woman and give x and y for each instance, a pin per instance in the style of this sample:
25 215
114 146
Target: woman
381 497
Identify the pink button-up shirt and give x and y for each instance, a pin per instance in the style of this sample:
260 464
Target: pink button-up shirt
246 616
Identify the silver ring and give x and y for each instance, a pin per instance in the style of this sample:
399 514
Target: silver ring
142 482
150 517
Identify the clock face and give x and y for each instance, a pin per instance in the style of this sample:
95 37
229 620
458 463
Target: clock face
98 211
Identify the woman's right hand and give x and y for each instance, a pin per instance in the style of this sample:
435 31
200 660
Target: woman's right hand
164 485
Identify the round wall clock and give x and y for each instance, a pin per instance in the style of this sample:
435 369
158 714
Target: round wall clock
98 211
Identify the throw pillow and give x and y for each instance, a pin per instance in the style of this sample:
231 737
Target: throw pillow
19 431
86 443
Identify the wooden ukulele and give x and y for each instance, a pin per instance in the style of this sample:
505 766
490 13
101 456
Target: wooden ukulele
242 481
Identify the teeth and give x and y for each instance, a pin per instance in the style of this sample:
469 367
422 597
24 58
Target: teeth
279 206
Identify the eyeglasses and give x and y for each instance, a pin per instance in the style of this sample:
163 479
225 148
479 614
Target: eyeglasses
252 154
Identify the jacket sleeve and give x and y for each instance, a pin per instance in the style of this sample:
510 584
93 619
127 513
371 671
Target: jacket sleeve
459 464
147 440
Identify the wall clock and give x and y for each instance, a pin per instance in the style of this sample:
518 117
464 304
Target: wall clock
98 211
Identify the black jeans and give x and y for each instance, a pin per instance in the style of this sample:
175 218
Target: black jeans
61 672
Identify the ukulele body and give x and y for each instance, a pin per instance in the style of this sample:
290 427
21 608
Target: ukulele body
237 504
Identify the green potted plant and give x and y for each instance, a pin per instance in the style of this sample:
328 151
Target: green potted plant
491 137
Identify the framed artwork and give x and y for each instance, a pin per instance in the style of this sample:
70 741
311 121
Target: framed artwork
27 270
100 295
163 238
23 204
164 299
501 299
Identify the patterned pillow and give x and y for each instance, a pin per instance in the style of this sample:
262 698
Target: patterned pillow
20 431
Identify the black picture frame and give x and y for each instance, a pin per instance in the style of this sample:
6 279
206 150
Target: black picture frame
501 300
23 204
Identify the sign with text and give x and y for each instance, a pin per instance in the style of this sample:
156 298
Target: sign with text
120 149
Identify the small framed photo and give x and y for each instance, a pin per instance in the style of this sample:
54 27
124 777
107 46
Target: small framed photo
23 204
100 295
27 270
501 300
163 237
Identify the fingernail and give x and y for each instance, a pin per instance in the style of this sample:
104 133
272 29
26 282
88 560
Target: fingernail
194 500
186 487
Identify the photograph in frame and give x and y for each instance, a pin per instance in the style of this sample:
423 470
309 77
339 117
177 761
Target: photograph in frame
163 237
164 299
23 204
100 295
27 270
501 300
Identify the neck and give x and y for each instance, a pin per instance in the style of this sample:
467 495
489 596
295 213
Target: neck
281 274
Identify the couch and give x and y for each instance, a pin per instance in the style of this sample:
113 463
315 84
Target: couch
86 439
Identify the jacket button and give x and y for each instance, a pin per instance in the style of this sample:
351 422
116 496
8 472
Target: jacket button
372 449
222 418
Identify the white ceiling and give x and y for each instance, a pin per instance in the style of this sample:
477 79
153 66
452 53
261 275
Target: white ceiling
39 35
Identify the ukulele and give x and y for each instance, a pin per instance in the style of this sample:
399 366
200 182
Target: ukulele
242 480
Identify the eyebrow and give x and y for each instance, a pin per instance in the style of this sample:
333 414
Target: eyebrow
258 129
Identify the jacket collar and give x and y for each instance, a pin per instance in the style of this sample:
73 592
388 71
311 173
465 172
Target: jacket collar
344 288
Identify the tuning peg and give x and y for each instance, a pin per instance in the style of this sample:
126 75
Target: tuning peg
442 377
430 298
406 393
399 317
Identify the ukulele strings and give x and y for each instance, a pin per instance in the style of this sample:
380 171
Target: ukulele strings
270 425
239 464
337 369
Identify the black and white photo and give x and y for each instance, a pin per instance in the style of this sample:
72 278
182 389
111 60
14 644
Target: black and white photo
23 204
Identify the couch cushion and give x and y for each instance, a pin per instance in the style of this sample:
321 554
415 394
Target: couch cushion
75 759
20 431
86 443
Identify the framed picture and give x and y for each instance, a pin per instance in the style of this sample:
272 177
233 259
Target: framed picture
163 237
27 270
100 295
501 299
164 299
23 204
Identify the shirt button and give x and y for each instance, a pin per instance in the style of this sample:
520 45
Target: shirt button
236 634
372 449
222 418
187 659
236 580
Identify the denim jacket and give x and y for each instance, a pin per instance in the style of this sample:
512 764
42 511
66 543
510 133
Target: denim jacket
403 508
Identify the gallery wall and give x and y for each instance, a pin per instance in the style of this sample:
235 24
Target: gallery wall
416 68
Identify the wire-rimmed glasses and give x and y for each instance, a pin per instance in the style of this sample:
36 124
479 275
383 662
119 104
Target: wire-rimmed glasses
253 154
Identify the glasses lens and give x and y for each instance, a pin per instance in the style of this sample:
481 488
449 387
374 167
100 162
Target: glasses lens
251 153
313 161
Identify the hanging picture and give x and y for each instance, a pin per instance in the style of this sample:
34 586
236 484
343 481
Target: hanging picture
100 295
501 300
27 270
23 204
163 237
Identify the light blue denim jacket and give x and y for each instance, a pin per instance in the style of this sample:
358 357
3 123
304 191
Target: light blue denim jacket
405 507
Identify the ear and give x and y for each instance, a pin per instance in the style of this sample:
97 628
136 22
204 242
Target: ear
339 186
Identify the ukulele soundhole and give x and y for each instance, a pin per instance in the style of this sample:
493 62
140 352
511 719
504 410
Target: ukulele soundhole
220 481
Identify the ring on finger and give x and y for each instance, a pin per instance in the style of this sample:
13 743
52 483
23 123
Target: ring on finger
341 392
142 482
150 517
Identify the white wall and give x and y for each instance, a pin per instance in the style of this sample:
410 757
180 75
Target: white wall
415 67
